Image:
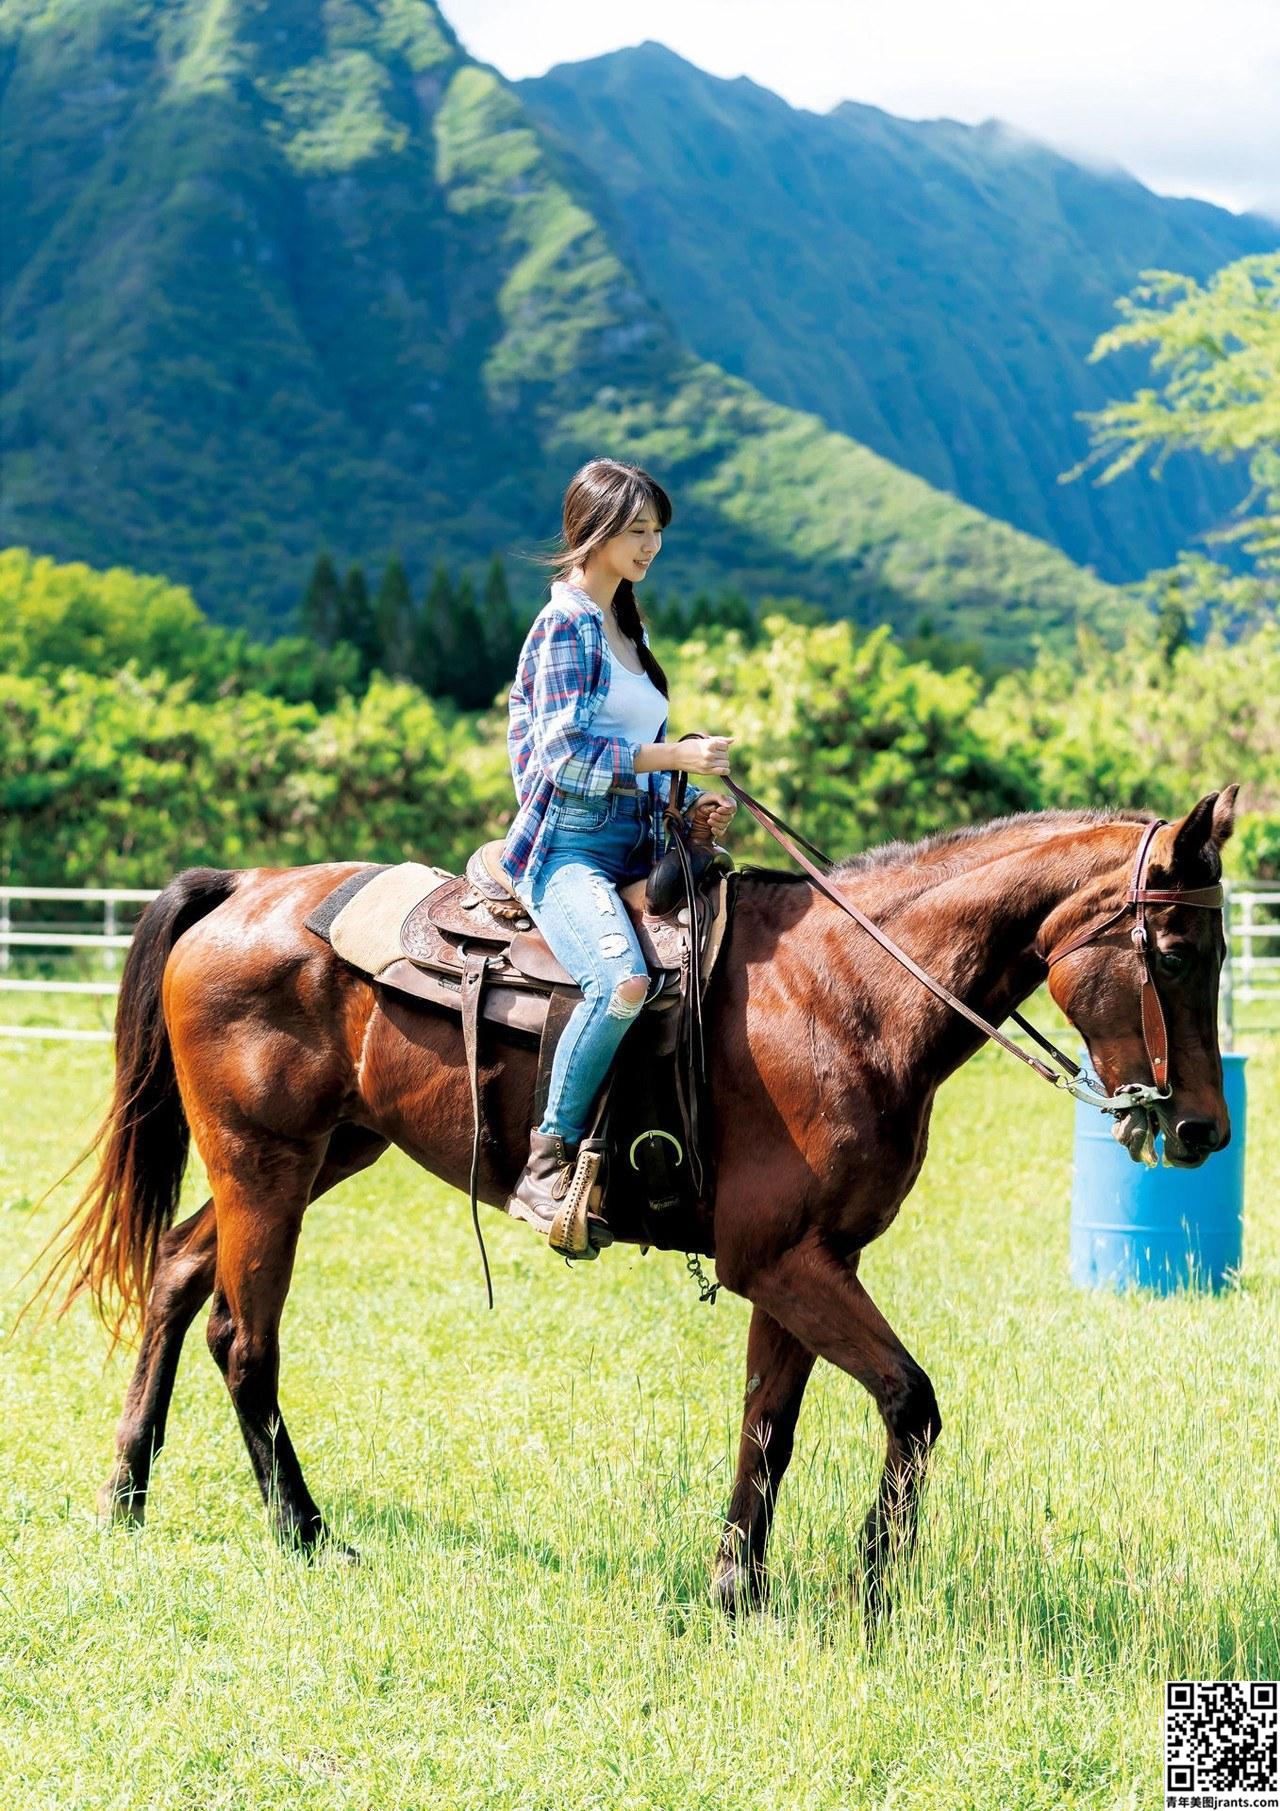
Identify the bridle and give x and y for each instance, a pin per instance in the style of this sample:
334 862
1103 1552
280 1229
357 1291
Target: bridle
1076 1081
1155 1033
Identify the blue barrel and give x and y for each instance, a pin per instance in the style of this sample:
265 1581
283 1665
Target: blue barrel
1160 1228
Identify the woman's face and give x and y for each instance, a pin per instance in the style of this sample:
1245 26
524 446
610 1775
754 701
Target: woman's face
629 554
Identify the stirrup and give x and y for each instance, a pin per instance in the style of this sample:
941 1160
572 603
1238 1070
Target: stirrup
569 1230
570 1233
575 1221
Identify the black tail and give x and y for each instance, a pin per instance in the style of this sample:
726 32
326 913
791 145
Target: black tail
109 1239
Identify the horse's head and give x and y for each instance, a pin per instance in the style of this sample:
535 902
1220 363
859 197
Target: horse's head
1099 984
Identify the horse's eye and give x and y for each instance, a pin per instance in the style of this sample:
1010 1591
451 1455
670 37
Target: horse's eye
1171 963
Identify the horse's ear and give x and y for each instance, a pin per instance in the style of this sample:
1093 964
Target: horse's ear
1224 814
1209 822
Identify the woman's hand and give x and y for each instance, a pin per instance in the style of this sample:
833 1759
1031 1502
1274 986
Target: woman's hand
715 810
704 754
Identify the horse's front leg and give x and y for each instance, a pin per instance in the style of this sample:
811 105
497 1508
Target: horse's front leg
778 1368
817 1296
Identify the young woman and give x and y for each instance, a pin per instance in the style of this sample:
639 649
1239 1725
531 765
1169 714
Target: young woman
592 767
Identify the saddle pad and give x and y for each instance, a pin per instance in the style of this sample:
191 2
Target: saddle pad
322 918
371 907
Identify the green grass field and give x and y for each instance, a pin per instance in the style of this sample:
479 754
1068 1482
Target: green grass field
530 1626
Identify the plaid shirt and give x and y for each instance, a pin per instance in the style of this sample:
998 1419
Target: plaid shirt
559 684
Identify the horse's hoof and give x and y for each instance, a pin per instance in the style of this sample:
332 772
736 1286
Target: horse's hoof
739 1590
877 1606
316 1544
121 1508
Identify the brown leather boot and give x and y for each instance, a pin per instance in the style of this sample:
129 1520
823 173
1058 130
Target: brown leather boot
543 1196
539 1194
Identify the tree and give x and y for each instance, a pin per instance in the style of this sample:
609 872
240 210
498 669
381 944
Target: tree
1219 347
431 634
123 779
318 613
356 623
1136 726
664 614
393 614
734 612
844 735
468 670
1173 631
504 631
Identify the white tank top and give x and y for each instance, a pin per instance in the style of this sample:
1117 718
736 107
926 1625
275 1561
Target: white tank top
632 708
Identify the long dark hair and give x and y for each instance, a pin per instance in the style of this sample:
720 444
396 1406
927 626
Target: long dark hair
602 497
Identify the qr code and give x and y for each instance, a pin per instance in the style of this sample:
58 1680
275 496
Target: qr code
1220 1745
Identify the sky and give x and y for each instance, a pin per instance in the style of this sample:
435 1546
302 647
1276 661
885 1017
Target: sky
1183 93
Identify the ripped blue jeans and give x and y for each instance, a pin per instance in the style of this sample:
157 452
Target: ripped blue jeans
595 845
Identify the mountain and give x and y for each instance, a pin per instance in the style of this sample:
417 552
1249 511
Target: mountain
928 288
278 275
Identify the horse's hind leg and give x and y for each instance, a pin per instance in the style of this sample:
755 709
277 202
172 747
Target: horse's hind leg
181 1285
778 1368
183 1282
259 1205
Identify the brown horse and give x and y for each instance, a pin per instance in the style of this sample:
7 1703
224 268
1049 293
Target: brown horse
239 1028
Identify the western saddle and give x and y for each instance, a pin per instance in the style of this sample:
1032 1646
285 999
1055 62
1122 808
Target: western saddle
469 945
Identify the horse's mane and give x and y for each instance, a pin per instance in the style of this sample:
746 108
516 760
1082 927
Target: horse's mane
963 847
950 852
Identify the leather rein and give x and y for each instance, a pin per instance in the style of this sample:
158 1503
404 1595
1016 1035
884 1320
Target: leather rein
1076 1081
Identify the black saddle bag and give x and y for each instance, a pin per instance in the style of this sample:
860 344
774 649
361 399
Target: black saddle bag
655 1185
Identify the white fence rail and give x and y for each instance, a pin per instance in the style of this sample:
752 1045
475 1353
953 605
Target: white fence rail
49 936
1252 972
1257 967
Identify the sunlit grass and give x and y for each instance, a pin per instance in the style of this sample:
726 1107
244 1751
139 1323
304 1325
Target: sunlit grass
537 1492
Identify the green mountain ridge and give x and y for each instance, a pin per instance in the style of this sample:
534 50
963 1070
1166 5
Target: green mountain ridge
929 288
285 275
